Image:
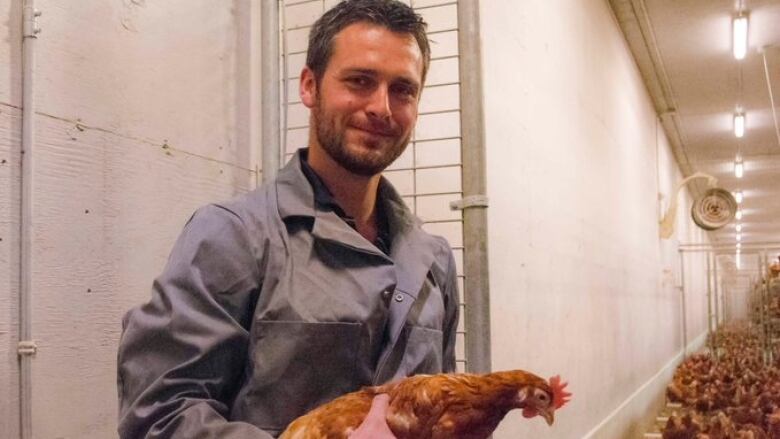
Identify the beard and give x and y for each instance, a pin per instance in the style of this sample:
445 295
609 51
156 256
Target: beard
366 157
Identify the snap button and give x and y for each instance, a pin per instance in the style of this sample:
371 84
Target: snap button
399 297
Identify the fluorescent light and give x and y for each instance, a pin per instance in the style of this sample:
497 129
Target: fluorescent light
740 29
739 227
739 125
739 167
738 196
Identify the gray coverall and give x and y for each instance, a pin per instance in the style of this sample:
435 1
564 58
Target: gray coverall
270 305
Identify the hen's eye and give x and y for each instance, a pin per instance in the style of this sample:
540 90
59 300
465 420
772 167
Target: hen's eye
543 397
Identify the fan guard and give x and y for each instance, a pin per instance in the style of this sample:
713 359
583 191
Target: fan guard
714 210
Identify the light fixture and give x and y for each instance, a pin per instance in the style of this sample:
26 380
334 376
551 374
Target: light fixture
738 196
739 124
738 215
739 263
739 166
740 34
739 227
739 246
739 237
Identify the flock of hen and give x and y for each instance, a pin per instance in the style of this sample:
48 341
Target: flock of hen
733 397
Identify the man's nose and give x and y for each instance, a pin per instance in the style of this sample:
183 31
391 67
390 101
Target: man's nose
379 103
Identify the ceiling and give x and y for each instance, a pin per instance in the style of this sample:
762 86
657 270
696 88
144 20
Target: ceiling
684 52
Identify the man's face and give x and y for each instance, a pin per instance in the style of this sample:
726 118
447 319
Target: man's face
365 106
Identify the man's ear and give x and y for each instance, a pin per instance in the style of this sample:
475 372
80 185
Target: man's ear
308 87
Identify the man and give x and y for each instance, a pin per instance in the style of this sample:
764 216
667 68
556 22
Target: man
315 285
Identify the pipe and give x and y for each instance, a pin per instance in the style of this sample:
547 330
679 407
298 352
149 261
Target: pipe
764 302
768 244
682 303
716 289
250 13
269 91
726 301
746 246
26 347
765 289
710 336
475 253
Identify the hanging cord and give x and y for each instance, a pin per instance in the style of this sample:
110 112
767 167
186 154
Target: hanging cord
771 96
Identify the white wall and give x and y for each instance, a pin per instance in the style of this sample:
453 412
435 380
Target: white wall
10 190
736 296
145 111
581 285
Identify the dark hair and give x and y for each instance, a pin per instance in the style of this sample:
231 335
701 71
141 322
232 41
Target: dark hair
391 14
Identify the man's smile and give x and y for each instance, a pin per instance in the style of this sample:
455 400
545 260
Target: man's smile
374 131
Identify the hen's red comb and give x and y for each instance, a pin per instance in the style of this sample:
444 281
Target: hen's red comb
560 395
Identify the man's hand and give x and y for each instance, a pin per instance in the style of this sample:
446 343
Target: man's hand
375 424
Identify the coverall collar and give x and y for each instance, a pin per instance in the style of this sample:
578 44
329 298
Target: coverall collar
412 250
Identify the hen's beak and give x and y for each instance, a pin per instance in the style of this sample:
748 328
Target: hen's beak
548 416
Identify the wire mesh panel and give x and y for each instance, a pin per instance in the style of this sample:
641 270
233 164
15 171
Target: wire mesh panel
428 173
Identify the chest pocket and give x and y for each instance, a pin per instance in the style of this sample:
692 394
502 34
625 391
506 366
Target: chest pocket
428 308
423 353
420 344
300 365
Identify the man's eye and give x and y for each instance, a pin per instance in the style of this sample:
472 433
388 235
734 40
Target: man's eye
405 90
359 81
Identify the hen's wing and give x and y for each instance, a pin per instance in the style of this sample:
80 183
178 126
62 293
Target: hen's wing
335 420
441 407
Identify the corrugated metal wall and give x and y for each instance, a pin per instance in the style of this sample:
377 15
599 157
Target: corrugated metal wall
428 174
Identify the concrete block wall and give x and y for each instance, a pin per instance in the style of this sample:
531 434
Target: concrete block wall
144 111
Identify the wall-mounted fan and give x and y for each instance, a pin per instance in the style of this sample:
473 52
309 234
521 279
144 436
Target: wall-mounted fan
714 210
711 211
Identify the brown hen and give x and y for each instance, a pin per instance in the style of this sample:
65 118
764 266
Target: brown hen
454 406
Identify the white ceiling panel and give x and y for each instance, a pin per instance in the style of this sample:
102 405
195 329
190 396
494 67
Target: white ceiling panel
689 42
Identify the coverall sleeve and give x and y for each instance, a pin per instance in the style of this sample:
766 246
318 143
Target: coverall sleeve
182 355
451 315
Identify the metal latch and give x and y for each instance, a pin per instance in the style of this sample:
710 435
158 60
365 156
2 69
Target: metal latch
26 348
469 202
